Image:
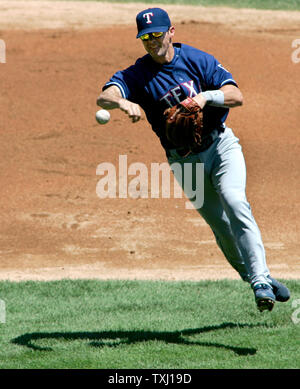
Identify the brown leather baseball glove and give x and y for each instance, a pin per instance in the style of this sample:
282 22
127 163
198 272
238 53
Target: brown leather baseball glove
184 124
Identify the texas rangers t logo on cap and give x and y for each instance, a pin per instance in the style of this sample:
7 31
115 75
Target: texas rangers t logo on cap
152 20
147 16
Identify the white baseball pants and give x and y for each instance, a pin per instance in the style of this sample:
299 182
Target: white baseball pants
225 207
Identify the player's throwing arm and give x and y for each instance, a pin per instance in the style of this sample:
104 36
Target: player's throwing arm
111 98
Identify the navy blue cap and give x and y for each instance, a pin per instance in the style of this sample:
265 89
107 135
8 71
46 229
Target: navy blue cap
152 20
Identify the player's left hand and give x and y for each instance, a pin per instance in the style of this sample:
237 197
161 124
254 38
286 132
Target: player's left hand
200 100
184 124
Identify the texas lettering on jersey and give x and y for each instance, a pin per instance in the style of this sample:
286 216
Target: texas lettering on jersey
175 95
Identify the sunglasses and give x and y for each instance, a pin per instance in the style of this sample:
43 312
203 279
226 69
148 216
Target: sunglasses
155 35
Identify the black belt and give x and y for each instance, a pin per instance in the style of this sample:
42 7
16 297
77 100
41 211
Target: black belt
205 144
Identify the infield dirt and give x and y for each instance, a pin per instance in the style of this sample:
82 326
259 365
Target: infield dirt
53 224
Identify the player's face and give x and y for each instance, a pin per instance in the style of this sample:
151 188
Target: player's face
159 48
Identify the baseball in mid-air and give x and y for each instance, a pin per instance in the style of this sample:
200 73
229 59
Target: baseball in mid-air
102 116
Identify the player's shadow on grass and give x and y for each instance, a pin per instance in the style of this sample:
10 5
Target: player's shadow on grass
116 338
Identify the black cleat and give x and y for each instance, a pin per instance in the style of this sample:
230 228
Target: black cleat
264 297
280 291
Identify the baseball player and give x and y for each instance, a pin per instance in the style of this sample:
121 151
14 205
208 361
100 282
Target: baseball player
175 74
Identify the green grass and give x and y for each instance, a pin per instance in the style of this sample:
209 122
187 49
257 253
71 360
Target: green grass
292 5
145 325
